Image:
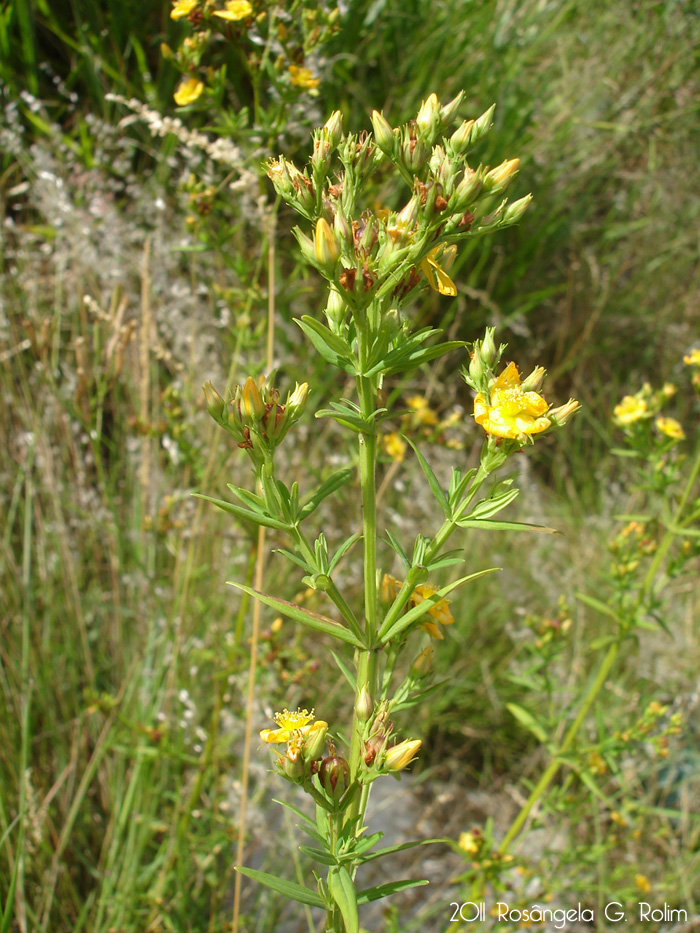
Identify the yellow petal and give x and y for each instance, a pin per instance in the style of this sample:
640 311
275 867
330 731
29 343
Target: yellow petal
188 91
437 278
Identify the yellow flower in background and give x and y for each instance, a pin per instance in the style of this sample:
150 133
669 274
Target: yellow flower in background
302 77
288 724
692 358
395 446
511 412
629 410
188 90
235 10
671 428
437 278
643 883
439 613
470 843
182 8
424 413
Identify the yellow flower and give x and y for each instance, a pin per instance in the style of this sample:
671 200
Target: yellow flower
439 612
302 77
511 412
692 358
671 428
188 90
437 278
643 883
289 723
182 8
469 843
401 755
629 410
395 446
235 10
424 412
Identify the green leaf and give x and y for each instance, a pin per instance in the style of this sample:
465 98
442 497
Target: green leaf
332 348
342 890
386 890
395 546
294 559
527 720
342 550
318 855
289 889
344 670
256 503
458 485
390 850
437 489
335 481
491 506
347 419
300 813
488 524
247 515
599 606
313 620
424 607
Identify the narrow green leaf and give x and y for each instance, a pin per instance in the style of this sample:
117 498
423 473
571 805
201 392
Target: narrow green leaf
342 890
599 606
437 489
390 850
342 551
527 720
488 524
491 506
344 670
244 514
256 503
335 481
330 347
394 544
294 559
290 889
318 855
356 423
300 813
313 620
386 890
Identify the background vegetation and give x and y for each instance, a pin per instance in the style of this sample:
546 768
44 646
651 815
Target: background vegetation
135 267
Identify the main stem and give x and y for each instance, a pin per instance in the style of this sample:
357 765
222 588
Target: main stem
367 657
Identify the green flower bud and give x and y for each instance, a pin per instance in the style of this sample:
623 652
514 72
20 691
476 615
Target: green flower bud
460 140
515 211
449 111
334 774
401 755
383 134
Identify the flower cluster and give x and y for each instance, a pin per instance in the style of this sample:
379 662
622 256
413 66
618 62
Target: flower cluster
304 738
247 27
254 416
508 407
384 254
634 412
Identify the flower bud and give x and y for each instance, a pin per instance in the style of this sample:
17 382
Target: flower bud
515 211
334 774
293 762
500 177
296 401
482 125
383 133
252 402
336 311
216 406
487 347
407 216
460 140
325 246
449 110
467 190
533 382
401 755
333 129
314 740
420 666
414 152
428 119
559 416
364 705
305 245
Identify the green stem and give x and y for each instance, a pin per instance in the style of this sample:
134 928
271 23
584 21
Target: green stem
449 525
556 763
367 658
